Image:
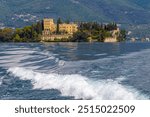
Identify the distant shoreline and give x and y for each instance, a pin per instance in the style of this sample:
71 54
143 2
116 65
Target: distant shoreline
47 31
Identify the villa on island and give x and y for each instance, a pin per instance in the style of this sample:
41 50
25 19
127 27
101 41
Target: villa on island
50 29
64 31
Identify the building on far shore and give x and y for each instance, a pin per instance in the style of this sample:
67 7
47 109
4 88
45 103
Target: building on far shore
69 28
50 28
113 38
65 31
133 39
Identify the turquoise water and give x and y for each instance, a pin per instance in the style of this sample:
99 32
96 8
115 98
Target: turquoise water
58 71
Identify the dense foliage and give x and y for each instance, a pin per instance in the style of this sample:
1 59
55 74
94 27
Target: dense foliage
6 34
27 34
59 21
93 31
87 31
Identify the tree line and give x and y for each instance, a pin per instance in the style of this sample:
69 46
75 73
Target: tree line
26 34
87 31
93 31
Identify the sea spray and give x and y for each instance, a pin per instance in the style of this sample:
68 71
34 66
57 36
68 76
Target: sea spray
1 80
78 86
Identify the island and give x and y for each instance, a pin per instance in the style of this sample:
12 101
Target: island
64 31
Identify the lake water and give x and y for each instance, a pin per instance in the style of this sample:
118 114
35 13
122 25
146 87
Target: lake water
58 71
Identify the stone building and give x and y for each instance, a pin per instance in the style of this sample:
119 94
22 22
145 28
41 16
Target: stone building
68 28
113 38
50 27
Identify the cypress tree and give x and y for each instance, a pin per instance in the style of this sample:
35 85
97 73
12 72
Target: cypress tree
59 21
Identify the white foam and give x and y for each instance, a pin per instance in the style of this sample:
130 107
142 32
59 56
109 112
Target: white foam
103 54
20 57
61 63
1 80
121 78
78 86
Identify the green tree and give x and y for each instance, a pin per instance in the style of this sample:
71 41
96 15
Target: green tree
39 27
6 34
122 36
59 21
17 38
111 26
80 37
101 38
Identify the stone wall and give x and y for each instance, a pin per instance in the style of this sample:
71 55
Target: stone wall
53 37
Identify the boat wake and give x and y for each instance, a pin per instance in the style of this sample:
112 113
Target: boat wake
78 86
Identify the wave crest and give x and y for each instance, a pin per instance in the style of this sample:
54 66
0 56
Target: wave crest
78 86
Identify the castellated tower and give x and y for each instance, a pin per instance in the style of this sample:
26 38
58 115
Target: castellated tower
49 26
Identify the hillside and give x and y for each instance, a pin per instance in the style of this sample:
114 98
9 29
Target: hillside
16 13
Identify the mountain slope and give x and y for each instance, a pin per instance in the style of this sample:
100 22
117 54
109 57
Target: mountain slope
121 11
